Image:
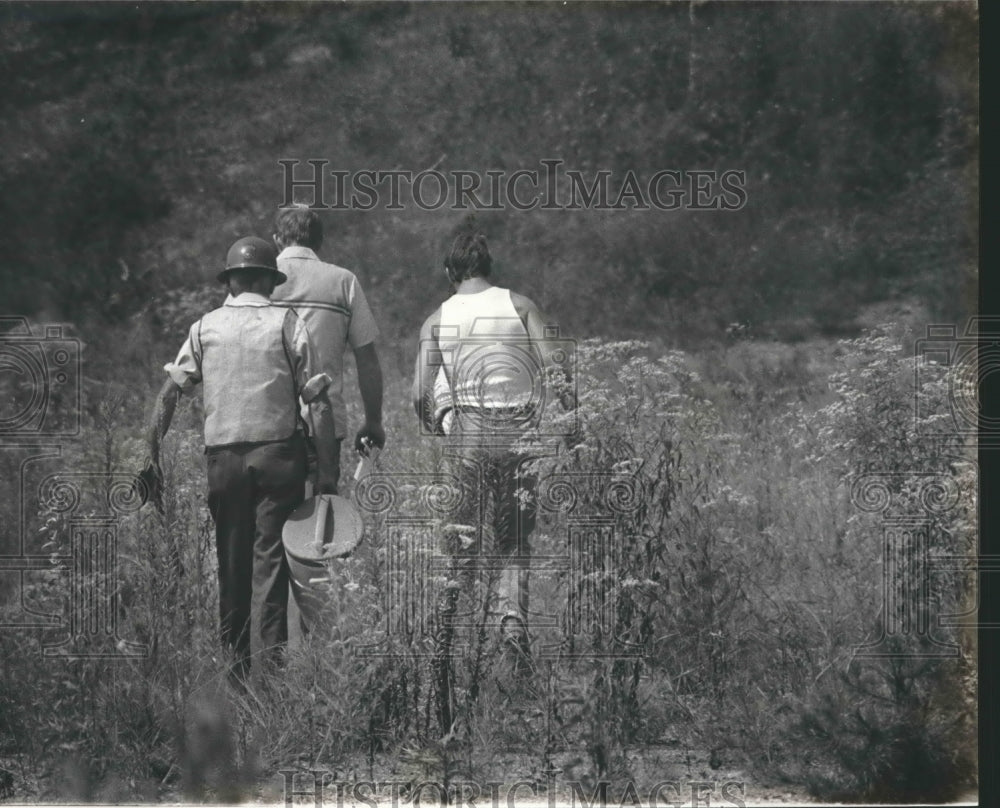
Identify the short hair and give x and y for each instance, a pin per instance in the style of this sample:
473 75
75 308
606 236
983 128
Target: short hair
469 258
299 225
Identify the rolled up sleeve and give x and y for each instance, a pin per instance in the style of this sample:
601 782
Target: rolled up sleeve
185 370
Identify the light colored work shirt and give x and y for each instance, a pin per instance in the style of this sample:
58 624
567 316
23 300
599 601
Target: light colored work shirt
253 361
333 306
488 360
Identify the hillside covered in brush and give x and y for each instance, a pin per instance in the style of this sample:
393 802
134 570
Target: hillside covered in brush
139 141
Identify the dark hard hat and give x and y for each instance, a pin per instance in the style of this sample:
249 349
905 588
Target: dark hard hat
252 253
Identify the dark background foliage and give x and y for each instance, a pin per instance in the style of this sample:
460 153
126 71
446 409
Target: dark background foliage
140 141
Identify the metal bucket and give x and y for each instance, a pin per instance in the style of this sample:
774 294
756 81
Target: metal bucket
322 528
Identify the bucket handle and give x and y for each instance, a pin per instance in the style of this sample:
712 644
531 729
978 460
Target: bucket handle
325 507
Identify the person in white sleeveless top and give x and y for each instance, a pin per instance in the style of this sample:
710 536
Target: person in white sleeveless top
485 390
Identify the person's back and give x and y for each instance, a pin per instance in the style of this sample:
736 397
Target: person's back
488 357
333 306
325 297
244 346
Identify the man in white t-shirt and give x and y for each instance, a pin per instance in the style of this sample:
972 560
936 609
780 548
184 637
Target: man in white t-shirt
333 306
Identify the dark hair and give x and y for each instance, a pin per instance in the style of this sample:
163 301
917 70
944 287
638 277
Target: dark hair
299 225
469 258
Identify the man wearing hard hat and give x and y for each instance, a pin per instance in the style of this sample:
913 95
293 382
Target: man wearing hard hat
255 364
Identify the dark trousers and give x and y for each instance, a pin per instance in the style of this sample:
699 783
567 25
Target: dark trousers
252 490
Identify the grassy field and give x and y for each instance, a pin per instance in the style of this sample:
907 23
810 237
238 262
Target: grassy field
745 576
756 426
